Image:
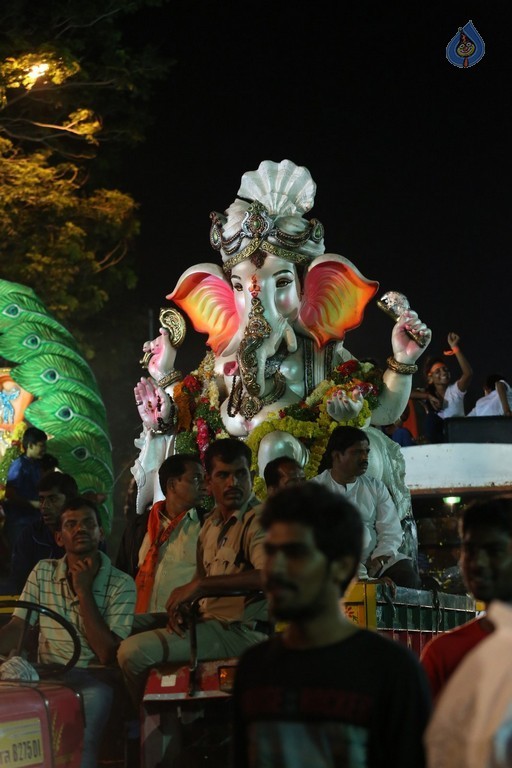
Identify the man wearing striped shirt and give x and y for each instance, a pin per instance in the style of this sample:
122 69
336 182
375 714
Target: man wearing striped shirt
98 599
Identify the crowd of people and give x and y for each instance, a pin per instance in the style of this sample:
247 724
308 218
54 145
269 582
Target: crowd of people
265 578
440 398
323 691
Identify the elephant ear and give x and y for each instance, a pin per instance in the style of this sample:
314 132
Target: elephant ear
206 296
335 297
67 402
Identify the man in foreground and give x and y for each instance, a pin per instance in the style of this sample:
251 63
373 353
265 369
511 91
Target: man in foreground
486 550
472 722
229 556
95 597
323 692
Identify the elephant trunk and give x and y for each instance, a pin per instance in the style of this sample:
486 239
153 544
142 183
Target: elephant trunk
252 365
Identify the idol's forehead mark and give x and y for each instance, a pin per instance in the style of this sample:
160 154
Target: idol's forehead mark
274 274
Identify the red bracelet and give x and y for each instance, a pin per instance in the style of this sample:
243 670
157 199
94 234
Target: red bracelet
452 351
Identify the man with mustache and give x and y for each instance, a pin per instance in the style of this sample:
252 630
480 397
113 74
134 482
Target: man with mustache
98 599
229 556
347 454
324 691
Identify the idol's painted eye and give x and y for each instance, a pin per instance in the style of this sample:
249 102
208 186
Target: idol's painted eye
283 282
237 287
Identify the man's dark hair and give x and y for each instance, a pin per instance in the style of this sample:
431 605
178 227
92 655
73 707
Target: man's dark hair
175 466
340 439
228 449
492 379
495 512
271 472
64 483
77 502
33 435
336 523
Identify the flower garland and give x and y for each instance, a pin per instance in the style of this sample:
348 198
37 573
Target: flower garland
200 421
11 453
310 423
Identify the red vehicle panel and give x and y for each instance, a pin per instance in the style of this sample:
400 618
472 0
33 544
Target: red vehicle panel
41 725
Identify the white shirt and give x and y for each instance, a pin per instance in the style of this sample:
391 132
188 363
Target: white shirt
471 726
382 529
490 405
453 402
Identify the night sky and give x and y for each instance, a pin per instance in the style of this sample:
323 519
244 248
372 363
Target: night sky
410 154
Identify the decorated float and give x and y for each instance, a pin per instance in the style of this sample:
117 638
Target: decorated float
276 373
48 384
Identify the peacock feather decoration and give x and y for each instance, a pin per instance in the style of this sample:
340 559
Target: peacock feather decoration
67 403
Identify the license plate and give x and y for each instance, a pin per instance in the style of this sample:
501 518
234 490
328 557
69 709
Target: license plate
21 743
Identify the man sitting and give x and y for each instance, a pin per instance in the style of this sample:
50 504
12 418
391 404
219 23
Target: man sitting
229 556
348 451
95 597
282 472
158 548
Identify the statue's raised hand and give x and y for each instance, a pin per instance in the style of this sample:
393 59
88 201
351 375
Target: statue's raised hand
405 348
163 355
343 405
154 405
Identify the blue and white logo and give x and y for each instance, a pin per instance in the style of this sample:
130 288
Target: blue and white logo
466 48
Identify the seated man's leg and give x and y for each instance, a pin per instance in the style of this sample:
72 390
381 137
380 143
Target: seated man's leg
97 699
141 651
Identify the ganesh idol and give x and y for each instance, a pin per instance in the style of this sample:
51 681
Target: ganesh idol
277 373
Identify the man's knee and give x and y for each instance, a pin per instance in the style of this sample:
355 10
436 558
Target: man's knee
139 652
127 654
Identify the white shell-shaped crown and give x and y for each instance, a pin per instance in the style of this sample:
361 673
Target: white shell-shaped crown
267 215
285 189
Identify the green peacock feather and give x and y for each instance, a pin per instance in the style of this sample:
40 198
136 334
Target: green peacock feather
67 403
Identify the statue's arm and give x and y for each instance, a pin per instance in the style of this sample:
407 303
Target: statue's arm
401 366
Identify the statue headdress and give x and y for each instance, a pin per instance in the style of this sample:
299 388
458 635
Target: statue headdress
268 215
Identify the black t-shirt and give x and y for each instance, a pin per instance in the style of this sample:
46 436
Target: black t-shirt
360 703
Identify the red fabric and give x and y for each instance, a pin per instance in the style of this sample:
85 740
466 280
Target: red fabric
411 422
145 578
443 654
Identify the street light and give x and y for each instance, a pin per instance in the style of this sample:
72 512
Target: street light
34 73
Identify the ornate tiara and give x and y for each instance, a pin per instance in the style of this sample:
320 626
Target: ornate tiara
267 215
257 226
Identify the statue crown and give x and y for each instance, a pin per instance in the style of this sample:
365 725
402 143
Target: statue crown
267 216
